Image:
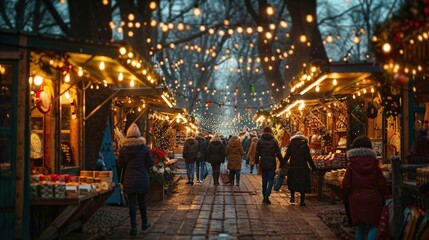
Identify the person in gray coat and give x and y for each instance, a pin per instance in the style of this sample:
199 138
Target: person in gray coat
135 158
190 149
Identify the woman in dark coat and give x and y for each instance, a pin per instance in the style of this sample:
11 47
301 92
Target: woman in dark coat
298 177
216 156
267 149
136 159
364 187
190 150
234 152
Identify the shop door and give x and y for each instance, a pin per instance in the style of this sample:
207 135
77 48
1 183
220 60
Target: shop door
8 110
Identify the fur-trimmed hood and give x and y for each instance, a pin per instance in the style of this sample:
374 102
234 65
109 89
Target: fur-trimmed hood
361 153
299 137
216 139
362 160
133 141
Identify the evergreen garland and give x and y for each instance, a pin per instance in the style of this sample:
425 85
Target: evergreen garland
162 139
356 108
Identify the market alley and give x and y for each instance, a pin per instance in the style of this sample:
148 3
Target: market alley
205 211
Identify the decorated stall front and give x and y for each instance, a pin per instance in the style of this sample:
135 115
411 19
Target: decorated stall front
401 46
334 103
57 164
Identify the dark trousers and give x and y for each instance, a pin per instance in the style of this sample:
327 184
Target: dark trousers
133 198
216 172
267 181
234 174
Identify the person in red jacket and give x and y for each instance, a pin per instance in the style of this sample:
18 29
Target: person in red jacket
364 187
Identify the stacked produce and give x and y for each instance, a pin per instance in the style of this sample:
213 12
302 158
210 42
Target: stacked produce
337 159
335 175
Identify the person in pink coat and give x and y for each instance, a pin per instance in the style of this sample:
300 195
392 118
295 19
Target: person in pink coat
364 187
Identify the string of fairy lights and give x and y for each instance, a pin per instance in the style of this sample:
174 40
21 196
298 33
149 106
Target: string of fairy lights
223 28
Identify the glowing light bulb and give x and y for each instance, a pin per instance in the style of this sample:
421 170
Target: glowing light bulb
334 82
38 80
120 77
102 66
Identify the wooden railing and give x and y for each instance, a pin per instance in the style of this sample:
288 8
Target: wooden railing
400 187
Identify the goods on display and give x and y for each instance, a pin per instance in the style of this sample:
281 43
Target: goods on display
64 185
422 175
337 159
335 175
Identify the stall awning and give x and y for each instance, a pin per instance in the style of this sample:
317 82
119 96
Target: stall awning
329 83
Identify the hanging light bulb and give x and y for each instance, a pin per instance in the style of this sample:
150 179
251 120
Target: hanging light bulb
387 47
270 10
329 38
132 83
356 39
309 18
67 78
102 66
153 5
317 88
80 72
38 80
120 77
334 82
197 11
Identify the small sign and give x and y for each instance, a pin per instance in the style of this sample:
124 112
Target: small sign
66 155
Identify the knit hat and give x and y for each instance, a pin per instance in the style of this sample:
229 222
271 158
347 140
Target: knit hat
133 131
267 129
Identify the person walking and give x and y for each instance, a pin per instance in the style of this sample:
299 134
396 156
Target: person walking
267 149
298 177
234 153
201 169
246 144
216 156
364 187
252 152
135 158
190 149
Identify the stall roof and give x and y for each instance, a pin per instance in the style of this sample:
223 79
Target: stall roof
331 83
118 58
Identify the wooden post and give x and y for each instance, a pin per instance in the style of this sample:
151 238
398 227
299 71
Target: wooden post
398 208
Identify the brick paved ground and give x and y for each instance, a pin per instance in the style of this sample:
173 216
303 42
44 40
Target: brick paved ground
205 211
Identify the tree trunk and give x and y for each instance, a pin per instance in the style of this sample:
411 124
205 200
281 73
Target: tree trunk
302 53
90 20
142 12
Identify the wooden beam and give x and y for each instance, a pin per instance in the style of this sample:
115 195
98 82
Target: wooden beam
58 19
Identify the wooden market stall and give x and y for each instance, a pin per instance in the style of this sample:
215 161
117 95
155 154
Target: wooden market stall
56 111
334 103
401 48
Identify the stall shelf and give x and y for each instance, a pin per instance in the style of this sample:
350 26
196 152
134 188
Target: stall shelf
52 218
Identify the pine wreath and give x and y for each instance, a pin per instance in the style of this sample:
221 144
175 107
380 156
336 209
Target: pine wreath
371 110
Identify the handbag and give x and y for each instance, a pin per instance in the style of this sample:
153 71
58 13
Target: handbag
278 182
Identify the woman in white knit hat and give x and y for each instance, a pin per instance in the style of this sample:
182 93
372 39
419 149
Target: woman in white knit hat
136 159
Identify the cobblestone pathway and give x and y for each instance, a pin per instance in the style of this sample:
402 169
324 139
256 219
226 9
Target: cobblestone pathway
205 211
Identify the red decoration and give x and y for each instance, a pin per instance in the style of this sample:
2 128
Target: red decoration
401 79
43 101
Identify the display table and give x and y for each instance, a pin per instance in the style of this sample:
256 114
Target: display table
52 218
335 188
320 179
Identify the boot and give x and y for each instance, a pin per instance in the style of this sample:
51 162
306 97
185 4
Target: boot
145 226
302 203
